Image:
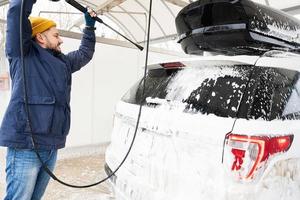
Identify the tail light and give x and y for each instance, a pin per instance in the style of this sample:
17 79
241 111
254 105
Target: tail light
246 156
171 65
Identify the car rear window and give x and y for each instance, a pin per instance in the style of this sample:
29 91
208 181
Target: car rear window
241 91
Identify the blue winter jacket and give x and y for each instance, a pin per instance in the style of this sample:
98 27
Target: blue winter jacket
48 82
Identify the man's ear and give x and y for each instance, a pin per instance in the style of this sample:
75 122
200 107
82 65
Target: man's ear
40 38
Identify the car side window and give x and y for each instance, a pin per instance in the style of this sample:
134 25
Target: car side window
272 90
268 94
292 108
156 83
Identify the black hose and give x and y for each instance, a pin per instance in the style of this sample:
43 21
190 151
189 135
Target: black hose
27 110
28 121
239 106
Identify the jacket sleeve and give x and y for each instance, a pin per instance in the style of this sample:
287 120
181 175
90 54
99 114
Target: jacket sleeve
12 46
85 53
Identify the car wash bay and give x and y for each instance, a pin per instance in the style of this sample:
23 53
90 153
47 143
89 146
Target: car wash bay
98 86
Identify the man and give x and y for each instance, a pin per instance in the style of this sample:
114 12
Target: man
48 74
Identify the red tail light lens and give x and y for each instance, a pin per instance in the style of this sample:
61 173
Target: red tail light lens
172 65
245 155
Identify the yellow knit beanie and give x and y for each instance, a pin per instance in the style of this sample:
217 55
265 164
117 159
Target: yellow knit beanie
40 25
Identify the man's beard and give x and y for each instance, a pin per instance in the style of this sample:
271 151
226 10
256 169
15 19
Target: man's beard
56 50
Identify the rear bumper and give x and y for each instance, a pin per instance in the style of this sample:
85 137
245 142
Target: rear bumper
119 194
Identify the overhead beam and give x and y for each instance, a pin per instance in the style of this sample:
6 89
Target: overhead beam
2 21
120 43
154 18
267 2
294 10
87 3
3 2
168 8
161 39
114 42
121 25
108 5
134 19
179 3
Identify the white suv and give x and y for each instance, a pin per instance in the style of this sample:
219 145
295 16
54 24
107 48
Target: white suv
220 127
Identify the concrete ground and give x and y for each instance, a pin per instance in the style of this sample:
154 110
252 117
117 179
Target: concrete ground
79 166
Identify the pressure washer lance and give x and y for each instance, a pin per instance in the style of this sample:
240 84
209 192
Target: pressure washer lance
49 172
78 6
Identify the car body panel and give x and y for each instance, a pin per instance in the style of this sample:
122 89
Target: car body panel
176 151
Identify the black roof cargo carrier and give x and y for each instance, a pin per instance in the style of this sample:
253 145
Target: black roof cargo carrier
235 27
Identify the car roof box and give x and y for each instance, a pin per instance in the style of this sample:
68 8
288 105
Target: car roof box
235 27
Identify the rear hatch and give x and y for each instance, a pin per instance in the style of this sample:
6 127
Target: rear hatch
189 107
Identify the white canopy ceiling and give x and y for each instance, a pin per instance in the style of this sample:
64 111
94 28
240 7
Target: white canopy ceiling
130 16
